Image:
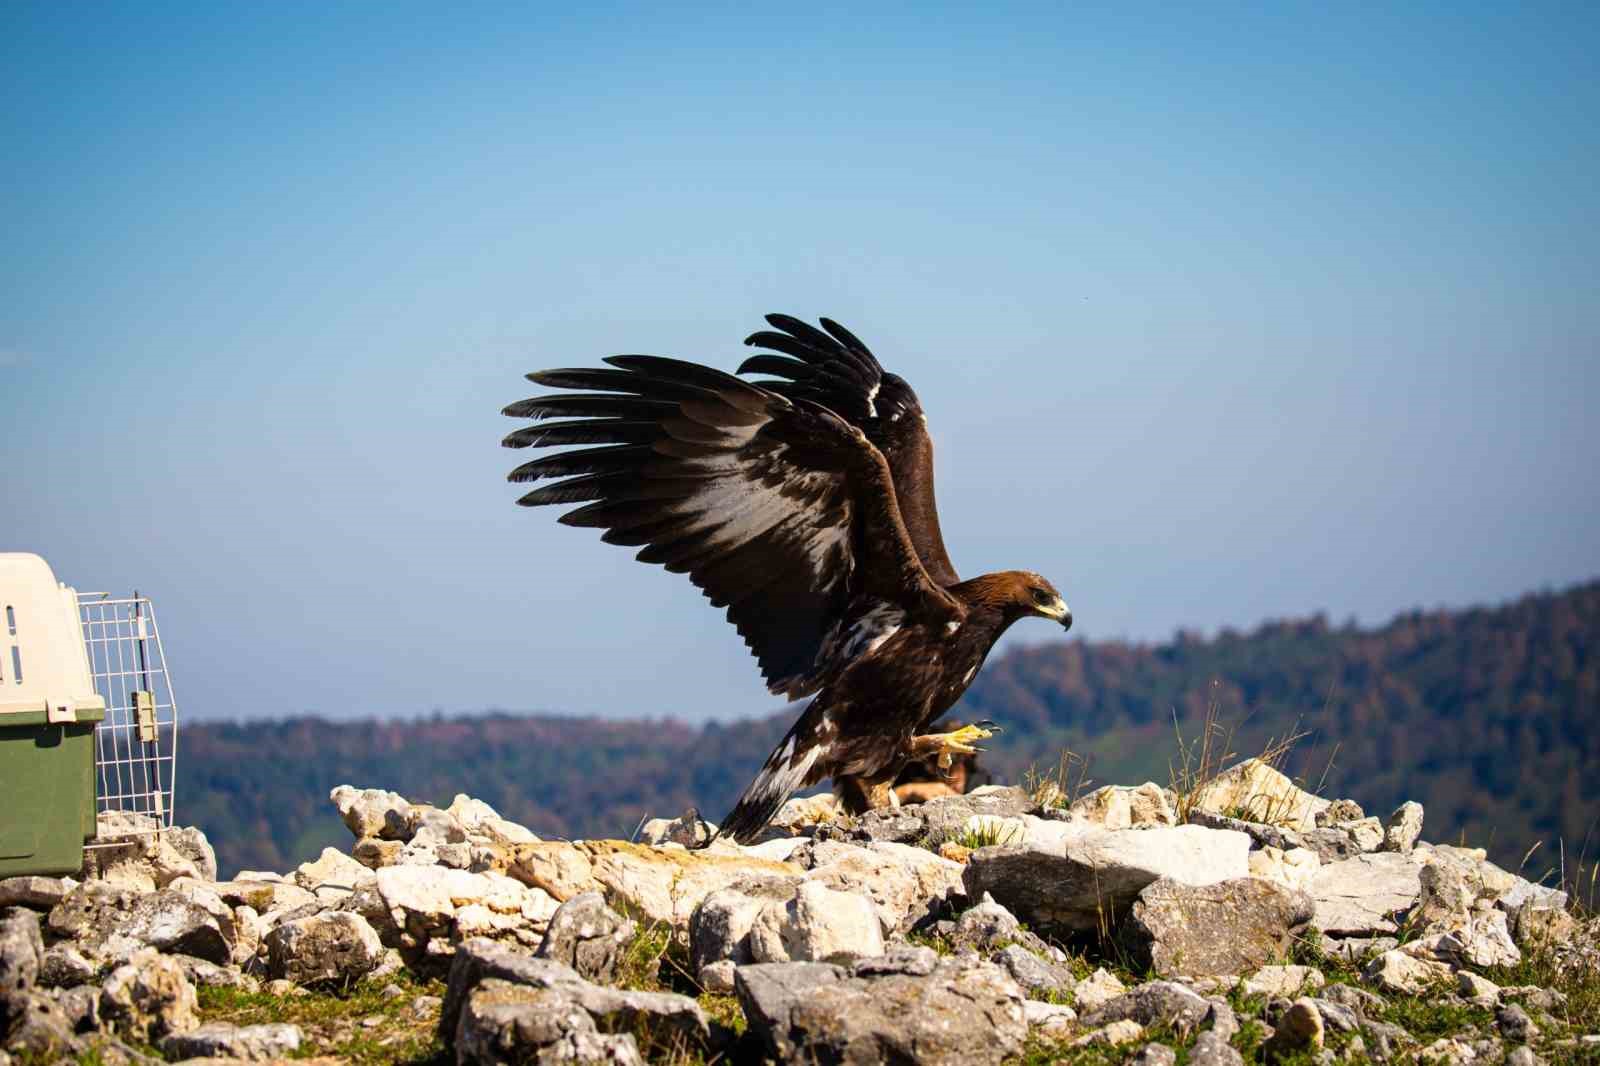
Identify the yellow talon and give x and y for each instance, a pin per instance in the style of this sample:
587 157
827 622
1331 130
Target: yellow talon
946 746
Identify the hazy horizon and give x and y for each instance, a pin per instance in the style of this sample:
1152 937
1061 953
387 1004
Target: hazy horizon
1218 315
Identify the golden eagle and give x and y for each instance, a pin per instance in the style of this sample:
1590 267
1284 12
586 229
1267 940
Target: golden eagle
803 503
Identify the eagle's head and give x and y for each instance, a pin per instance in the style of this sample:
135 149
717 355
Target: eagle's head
1021 593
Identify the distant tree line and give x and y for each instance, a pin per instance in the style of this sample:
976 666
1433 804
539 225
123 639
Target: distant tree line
1490 717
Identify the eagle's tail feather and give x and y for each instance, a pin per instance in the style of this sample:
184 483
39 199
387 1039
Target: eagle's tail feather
791 767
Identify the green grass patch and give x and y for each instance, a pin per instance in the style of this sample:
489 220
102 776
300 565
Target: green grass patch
331 1022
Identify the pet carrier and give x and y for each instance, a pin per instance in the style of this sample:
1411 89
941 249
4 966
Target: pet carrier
87 719
48 712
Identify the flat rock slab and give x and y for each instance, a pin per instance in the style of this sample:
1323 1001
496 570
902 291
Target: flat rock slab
1230 927
252 1043
1095 879
39 893
1359 896
667 884
481 960
905 1007
503 1023
1153 1003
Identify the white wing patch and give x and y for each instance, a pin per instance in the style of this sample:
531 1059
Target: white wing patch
872 394
784 775
951 627
874 627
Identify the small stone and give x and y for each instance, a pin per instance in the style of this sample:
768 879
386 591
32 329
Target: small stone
1339 812
1395 971
21 952
1221 1019
1386 1039
333 867
203 974
1337 1016
1033 973
1154 1003
1112 1034
688 829
1050 1019
1098 989
1299 1029
985 927
1284 981
1405 826
372 812
1366 832
1210 1049
1515 1024
1154 1055
1295 869
1361 1001
1523 1056
717 977
1480 990
375 854
82 1006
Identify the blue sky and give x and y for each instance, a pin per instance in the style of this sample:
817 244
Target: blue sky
1219 312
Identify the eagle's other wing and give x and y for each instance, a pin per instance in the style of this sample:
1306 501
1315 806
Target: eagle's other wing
836 370
775 507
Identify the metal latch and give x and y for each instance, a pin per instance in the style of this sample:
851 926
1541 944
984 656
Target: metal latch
144 710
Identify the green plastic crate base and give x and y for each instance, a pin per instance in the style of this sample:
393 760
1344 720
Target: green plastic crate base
47 791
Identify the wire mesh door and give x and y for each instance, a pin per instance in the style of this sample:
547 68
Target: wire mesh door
136 744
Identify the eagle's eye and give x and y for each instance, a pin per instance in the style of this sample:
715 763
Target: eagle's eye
1041 597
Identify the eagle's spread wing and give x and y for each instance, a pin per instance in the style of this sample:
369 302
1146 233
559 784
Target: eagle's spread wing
775 507
836 370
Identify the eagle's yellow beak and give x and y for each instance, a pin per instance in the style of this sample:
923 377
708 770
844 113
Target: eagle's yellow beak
1059 612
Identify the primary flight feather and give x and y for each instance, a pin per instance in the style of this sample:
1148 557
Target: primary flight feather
801 502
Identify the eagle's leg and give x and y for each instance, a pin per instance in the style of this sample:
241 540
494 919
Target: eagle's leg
946 746
858 795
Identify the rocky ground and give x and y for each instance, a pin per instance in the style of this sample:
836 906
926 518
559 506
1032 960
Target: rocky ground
1006 926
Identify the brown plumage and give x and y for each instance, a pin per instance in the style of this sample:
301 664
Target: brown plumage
802 503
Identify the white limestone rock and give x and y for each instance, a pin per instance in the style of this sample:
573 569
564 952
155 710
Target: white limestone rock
1257 792
1122 807
1397 972
333 867
1404 828
1295 869
819 925
373 812
1360 896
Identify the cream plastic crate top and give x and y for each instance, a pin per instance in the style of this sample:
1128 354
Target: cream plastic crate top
43 663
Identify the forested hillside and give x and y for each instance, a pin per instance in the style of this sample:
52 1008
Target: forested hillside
1489 716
